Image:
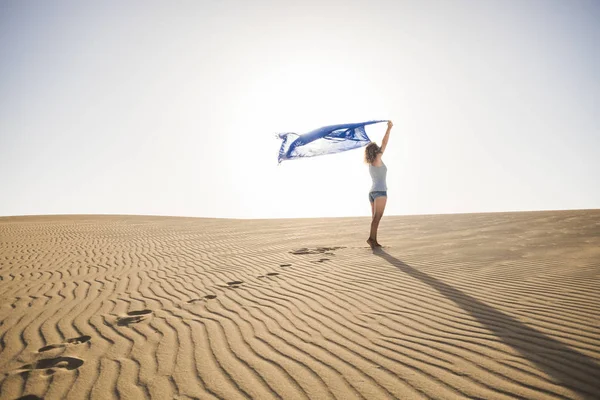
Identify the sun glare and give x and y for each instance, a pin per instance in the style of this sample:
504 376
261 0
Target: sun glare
300 97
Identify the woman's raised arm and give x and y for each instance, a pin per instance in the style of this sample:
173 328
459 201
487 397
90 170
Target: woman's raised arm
386 137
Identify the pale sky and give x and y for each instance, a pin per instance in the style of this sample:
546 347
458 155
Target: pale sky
171 107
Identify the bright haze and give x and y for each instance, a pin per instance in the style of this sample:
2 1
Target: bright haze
171 107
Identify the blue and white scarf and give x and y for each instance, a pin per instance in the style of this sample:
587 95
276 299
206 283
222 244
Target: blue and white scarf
326 140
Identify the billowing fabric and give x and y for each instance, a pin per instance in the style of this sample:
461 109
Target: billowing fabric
326 140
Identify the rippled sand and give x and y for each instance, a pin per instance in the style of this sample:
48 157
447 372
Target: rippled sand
491 306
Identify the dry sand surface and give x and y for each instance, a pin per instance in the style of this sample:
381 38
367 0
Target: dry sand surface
489 306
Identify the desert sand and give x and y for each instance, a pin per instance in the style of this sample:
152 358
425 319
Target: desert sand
488 306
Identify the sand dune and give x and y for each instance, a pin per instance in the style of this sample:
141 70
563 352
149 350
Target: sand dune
491 306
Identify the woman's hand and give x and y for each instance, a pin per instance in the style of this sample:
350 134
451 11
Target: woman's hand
390 124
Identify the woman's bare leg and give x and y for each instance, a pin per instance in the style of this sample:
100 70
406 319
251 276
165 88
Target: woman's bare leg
379 207
369 241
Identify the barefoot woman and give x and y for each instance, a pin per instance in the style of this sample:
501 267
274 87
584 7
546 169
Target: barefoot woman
378 193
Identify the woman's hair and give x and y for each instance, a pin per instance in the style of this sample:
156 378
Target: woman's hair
371 152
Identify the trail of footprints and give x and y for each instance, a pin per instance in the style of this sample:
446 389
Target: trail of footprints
133 317
234 285
51 365
301 251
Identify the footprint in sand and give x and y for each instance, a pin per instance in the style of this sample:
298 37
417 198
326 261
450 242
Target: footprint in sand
66 343
30 397
321 260
268 274
207 297
234 284
51 364
134 317
301 251
318 250
285 265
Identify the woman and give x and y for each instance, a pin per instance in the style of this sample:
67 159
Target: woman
378 193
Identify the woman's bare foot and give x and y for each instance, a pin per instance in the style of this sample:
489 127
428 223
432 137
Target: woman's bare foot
372 243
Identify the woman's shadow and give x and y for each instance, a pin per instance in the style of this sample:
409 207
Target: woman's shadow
567 366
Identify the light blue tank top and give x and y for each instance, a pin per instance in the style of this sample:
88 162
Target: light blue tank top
378 175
